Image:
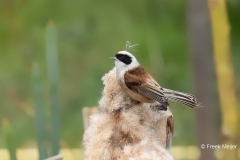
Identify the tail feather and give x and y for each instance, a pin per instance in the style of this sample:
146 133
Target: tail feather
183 98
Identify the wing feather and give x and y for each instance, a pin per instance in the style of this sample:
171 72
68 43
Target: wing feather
153 94
141 82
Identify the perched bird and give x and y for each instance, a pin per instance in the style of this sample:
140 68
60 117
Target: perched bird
142 87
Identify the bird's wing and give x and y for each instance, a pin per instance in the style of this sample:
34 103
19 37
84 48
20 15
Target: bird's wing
140 81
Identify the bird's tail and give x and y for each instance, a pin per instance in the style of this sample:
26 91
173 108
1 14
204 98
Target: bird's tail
183 98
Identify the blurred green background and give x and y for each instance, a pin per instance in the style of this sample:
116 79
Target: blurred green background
88 33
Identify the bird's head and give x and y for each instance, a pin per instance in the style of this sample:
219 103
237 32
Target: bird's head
125 61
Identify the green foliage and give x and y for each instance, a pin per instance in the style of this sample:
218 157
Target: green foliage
39 112
53 77
9 139
89 32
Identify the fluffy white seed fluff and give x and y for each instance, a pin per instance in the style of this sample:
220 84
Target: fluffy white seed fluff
138 133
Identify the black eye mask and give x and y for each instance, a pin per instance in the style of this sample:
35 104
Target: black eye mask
124 58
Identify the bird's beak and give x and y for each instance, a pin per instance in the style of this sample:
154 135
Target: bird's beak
114 58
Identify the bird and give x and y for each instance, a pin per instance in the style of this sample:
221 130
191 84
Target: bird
140 86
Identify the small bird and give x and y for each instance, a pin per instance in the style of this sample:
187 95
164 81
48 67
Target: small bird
142 87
